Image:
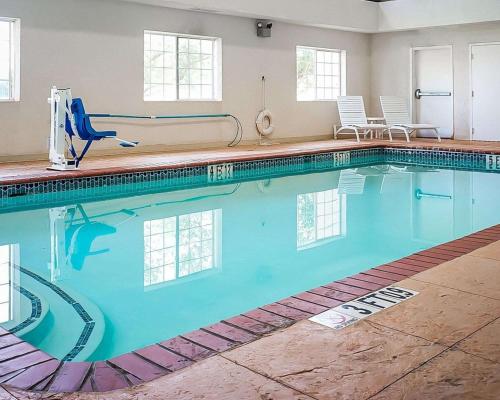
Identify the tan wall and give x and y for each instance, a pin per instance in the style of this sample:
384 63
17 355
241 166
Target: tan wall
96 48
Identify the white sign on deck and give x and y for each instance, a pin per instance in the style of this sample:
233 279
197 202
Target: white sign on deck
220 172
362 307
334 319
493 162
341 159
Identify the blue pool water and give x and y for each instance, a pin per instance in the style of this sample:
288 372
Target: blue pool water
92 280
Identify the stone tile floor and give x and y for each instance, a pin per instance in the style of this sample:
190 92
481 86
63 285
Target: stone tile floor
443 343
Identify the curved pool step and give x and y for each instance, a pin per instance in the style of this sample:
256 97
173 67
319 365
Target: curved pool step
73 326
31 311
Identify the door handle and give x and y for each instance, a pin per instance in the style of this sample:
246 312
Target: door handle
419 94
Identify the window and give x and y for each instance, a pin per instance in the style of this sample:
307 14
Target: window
9 59
320 217
320 74
6 266
180 246
178 67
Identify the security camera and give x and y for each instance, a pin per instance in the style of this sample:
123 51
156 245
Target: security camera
264 28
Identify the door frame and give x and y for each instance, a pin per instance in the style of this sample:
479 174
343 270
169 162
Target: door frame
471 97
412 77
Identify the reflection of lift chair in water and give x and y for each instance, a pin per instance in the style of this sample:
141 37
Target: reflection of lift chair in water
80 236
72 238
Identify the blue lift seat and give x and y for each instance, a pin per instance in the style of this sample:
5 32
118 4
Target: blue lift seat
83 124
84 130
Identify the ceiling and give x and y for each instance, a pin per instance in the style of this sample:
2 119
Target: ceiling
369 16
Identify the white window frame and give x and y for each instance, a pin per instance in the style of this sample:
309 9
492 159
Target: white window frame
342 219
15 65
342 72
217 66
13 296
216 253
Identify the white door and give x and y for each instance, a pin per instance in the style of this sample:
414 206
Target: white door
485 76
433 217
433 76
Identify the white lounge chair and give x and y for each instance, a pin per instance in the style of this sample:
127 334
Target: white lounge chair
353 118
397 117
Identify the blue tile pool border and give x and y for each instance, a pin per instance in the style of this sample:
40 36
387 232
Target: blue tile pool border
36 309
92 188
89 323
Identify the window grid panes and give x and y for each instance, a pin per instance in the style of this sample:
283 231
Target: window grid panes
179 246
6 59
5 283
319 217
319 74
178 68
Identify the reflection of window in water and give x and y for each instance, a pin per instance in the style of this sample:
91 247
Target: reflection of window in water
180 246
320 217
6 259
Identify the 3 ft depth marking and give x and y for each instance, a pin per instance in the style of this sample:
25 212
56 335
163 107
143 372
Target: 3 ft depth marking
362 307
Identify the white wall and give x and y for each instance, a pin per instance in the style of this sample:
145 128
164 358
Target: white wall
413 14
350 15
96 48
391 63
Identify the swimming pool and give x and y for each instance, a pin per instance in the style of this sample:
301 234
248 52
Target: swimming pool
90 280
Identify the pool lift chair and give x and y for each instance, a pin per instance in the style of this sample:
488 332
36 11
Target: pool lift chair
69 120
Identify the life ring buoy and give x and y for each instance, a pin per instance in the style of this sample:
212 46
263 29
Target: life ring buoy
261 126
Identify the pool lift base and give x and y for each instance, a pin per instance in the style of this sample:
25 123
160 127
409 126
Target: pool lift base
65 165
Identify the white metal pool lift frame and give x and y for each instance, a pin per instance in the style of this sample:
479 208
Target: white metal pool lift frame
57 145
60 101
